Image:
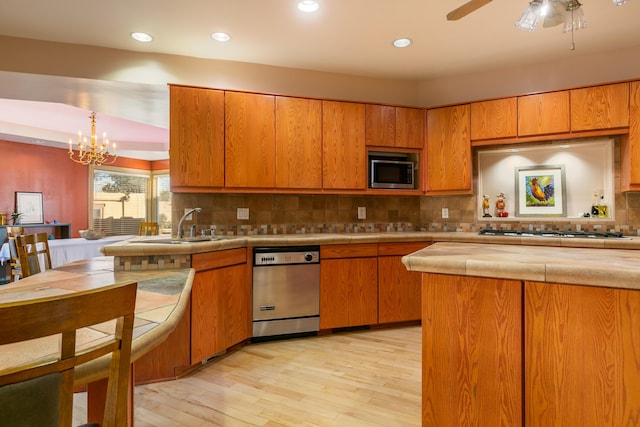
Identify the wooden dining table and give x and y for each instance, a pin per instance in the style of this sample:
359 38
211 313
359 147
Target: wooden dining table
161 301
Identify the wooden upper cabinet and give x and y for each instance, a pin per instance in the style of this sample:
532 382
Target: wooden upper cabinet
600 107
196 146
410 124
544 113
344 154
249 140
494 119
380 125
394 127
448 150
630 144
298 143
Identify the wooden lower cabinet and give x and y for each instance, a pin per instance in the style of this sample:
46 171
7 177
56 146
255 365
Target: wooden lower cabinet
471 351
500 352
399 294
582 356
348 286
220 311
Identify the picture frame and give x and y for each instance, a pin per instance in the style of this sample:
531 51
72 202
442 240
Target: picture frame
541 191
29 204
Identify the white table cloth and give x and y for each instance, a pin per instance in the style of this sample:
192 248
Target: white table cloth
64 251
5 255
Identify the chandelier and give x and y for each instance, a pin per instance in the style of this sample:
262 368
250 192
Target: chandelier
556 12
93 153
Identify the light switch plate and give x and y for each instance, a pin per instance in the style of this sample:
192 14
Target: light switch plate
445 212
362 212
243 213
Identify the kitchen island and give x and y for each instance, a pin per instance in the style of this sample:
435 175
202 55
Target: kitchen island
529 335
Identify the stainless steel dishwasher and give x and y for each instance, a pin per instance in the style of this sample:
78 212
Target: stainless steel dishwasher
286 290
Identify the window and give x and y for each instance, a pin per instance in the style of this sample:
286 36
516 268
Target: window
123 198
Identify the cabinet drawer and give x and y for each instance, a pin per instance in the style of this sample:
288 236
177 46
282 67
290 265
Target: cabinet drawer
400 249
211 260
349 251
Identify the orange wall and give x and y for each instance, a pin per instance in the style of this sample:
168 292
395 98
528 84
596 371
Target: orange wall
64 184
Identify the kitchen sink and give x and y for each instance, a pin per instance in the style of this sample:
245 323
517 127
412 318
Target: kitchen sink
177 241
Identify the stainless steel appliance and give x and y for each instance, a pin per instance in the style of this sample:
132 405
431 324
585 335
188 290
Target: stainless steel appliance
391 173
286 290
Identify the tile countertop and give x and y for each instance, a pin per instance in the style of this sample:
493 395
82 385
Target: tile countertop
127 248
616 268
161 300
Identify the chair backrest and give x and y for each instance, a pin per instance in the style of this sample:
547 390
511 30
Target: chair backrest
148 229
32 250
12 233
41 393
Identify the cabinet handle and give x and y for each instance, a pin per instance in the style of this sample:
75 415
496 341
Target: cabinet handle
267 307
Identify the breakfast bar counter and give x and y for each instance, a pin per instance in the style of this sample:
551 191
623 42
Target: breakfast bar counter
530 336
161 301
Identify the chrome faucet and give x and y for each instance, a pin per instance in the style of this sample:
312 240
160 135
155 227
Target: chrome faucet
186 214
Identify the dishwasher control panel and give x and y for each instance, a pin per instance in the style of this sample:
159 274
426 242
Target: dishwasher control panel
285 255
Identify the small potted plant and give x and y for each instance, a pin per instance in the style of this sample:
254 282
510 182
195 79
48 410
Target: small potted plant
15 216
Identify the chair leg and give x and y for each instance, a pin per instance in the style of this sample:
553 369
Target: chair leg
97 396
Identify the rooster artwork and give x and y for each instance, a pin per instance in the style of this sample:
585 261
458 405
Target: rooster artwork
540 190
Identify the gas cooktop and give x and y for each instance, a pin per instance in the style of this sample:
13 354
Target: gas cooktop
553 233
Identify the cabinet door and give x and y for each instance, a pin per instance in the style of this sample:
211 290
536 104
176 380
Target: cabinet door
399 294
600 107
344 156
348 292
298 143
410 124
196 137
249 140
448 150
380 127
493 119
220 311
543 113
471 351
582 352
630 144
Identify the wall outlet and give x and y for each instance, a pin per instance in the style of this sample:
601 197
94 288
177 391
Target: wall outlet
362 212
445 212
190 217
243 213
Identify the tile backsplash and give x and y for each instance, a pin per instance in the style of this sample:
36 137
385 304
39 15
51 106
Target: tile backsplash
291 214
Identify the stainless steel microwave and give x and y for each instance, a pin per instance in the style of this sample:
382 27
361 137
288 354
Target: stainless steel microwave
391 174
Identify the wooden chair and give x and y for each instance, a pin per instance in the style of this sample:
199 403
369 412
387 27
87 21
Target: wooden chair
12 233
41 393
32 249
148 229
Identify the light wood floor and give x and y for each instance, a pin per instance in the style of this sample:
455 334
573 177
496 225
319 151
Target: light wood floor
364 378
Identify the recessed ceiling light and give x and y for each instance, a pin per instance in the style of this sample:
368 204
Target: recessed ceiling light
308 5
141 37
404 42
221 37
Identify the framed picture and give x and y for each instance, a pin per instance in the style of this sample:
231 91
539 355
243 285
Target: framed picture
30 206
540 191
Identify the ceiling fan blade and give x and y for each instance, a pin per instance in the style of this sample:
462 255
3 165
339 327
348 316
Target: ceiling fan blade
466 9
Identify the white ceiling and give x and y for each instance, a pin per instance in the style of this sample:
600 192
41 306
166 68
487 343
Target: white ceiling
345 36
